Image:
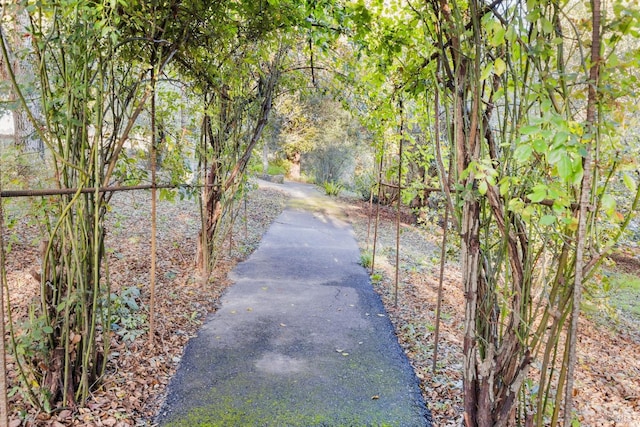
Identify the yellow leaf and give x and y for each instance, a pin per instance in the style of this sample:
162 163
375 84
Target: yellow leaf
75 338
485 72
499 67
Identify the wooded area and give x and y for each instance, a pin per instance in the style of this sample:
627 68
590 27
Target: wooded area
523 115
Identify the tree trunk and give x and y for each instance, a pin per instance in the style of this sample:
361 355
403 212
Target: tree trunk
585 196
153 154
3 285
24 135
23 131
265 158
295 171
469 256
224 175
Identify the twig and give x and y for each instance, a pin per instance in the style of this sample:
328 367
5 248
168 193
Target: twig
443 254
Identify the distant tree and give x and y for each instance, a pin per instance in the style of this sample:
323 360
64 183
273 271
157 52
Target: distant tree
339 143
22 66
298 131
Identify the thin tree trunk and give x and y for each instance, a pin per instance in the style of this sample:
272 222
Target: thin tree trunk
585 196
370 214
152 272
397 276
470 257
443 254
265 158
233 220
444 179
246 217
3 285
224 179
375 226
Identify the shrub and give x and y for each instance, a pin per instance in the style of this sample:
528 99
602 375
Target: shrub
332 188
366 258
279 167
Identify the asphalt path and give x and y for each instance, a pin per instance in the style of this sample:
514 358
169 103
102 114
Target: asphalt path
300 338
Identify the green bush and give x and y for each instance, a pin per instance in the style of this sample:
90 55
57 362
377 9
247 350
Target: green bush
364 184
126 317
279 167
366 259
332 188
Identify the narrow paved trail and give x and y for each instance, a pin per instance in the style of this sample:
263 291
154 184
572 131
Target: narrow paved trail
300 338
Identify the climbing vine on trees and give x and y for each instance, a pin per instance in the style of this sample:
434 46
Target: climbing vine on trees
90 99
528 163
97 68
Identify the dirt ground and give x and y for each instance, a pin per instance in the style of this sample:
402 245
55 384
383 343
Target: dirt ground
137 374
607 385
608 390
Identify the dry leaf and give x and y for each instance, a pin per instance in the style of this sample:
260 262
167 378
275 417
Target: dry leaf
64 414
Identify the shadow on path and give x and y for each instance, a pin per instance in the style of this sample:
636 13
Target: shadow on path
300 339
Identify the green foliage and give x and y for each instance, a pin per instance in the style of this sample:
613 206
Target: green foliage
72 97
332 188
88 108
343 151
20 170
126 316
625 293
366 259
315 130
31 341
279 167
599 293
16 169
130 170
519 180
376 278
364 184
298 132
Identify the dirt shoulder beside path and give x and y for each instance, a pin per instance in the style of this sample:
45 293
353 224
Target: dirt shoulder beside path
607 386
